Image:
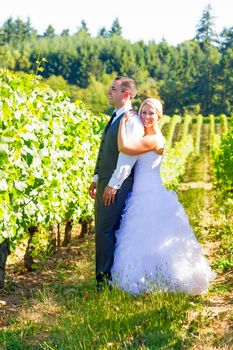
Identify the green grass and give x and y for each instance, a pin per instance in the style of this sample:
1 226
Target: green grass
193 201
86 319
198 165
222 232
115 320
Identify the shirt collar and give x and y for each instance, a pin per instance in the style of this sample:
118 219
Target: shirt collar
123 109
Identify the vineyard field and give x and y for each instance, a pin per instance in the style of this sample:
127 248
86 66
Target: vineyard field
48 298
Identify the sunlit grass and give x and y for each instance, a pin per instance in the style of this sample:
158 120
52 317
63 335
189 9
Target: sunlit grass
81 318
117 320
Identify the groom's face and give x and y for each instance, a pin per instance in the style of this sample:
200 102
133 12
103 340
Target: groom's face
116 94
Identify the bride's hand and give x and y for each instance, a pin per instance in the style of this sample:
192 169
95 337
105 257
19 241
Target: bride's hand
127 115
161 151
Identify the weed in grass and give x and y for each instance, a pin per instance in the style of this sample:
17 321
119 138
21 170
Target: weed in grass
223 263
221 288
15 339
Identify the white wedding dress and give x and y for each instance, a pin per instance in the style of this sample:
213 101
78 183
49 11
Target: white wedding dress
156 248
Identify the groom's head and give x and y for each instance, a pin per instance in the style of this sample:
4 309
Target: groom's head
121 91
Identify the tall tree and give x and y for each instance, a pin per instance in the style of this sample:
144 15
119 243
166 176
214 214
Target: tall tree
8 30
205 30
116 28
226 39
29 31
50 32
83 28
224 96
65 32
16 31
19 30
207 39
103 32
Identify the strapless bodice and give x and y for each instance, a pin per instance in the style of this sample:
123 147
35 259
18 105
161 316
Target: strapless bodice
147 171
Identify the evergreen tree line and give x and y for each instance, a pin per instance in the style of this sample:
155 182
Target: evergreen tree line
193 77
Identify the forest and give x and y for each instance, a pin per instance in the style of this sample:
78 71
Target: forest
192 77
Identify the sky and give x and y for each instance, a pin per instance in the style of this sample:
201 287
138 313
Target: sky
172 20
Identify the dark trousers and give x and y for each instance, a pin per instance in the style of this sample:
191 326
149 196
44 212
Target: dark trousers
107 221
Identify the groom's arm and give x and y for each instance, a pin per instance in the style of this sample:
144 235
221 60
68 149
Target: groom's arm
125 163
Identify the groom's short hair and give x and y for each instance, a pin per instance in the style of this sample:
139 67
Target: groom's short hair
128 84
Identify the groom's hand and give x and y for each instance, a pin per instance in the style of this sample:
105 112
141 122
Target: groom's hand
92 190
109 195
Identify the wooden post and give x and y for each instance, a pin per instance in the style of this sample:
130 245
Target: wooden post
4 252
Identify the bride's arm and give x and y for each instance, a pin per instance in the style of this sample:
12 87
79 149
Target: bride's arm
145 144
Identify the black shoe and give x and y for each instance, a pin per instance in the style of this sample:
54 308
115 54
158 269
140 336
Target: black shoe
99 287
103 284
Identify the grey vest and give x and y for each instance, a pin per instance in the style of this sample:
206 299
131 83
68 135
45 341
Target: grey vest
108 152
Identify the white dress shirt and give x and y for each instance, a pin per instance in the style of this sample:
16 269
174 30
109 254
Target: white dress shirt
125 163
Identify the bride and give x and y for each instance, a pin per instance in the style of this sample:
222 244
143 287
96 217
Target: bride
156 248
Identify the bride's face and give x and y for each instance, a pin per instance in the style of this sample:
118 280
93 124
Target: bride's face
149 116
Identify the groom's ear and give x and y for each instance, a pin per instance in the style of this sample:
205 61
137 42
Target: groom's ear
126 94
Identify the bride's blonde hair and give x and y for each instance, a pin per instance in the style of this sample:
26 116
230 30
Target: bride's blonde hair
155 104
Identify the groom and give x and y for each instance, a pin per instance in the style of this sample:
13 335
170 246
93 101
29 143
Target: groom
113 177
